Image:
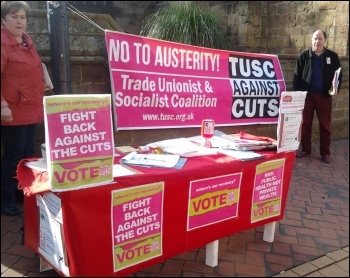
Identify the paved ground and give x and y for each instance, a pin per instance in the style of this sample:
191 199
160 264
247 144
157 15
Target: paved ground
310 241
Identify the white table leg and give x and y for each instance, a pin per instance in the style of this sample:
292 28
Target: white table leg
211 255
269 231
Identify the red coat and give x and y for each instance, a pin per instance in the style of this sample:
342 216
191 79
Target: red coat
22 84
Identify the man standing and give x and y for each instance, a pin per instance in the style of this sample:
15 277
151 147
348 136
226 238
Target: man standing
314 72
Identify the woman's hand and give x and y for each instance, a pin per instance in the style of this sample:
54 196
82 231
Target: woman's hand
6 114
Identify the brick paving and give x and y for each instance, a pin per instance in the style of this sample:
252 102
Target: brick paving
335 264
310 241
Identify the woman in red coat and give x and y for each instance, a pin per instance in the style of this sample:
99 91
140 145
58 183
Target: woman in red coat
22 92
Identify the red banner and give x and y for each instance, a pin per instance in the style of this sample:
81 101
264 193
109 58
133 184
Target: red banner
161 84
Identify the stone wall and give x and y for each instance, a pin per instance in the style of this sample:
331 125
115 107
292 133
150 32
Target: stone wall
284 27
274 27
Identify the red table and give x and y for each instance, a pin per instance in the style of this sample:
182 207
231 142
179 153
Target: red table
87 212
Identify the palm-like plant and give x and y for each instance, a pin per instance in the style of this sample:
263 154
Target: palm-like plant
185 22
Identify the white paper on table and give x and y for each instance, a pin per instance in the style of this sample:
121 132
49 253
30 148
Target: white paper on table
234 142
216 141
157 160
119 171
183 147
241 155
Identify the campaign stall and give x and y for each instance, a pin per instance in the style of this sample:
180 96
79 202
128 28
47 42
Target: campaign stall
95 210
150 214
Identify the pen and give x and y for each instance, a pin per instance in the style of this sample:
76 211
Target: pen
154 159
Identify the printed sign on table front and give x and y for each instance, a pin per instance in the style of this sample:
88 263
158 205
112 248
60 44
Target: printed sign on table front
137 223
267 192
213 200
79 140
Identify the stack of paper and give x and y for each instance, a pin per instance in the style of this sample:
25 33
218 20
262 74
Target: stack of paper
155 160
242 155
243 144
216 141
183 147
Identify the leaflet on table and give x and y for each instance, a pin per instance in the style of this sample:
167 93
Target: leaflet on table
216 141
241 155
119 171
157 160
183 147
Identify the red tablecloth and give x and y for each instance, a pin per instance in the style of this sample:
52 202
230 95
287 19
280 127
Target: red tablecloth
87 212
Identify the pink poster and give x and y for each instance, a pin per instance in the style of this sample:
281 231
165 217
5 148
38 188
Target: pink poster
79 141
213 200
161 84
267 192
137 215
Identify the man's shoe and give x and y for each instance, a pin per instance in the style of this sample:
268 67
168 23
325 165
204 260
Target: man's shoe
10 211
302 154
326 159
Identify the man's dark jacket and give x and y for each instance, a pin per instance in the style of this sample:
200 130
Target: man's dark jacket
304 66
